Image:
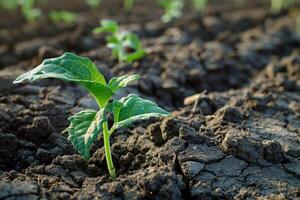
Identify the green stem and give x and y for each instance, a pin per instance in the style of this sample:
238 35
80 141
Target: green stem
108 156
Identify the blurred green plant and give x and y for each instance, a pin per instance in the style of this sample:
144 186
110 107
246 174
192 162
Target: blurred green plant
279 5
239 2
173 9
126 46
26 6
128 5
298 24
62 16
200 5
9 4
94 3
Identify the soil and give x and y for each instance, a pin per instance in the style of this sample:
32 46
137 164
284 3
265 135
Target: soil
230 77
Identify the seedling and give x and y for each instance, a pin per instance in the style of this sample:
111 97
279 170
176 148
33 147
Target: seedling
28 10
86 126
63 16
173 9
93 3
9 4
128 5
278 5
199 5
126 46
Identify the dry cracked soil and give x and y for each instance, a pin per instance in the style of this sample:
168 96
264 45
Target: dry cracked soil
231 79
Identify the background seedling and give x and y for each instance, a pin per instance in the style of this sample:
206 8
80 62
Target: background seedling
9 4
128 4
173 9
200 5
87 125
27 7
278 5
93 3
62 17
126 46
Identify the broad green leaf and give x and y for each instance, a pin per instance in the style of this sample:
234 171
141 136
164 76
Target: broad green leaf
74 68
116 107
132 108
84 130
107 25
69 67
117 83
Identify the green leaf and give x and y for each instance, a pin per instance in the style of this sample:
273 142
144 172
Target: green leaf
107 25
135 55
132 108
128 4
117 83
62 17
71 67
132 40
84 130
93 3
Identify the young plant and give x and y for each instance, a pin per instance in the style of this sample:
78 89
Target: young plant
93 3
86 126
128 5
27 7
126 46
63 16
199 5
9 4
173 9
278 5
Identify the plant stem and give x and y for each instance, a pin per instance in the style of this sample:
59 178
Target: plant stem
109 161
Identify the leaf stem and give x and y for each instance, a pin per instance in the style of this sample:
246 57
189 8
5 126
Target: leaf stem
109 161
112 129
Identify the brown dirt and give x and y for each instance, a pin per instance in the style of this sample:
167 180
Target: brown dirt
231 78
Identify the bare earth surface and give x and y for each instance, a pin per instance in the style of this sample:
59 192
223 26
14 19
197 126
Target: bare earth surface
239 139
